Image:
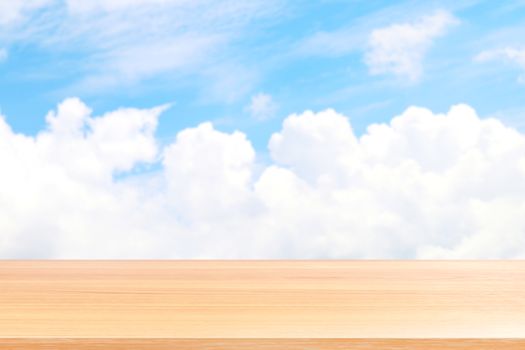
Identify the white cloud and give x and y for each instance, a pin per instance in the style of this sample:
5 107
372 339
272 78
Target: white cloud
509 54
57 189
425 185
400 48
262 107
314 145
219 168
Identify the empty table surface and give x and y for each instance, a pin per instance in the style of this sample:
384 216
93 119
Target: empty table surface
299 301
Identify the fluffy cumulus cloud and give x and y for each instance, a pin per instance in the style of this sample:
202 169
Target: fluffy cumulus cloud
399 49
424 185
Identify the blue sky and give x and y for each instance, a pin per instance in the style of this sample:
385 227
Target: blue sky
262 129
304 55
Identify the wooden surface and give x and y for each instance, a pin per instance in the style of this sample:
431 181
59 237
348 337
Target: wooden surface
276 304
263 344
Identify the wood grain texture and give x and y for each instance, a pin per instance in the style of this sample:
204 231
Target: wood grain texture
263 344
295 304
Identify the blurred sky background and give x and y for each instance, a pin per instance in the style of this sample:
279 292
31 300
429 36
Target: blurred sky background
275 128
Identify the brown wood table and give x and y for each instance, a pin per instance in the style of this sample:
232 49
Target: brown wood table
262 305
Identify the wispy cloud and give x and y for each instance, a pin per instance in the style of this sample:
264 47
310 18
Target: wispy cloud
336 43
16 11
127 41
509 54
3 55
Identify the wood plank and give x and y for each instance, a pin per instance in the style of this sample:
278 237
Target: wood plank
263 344
274 303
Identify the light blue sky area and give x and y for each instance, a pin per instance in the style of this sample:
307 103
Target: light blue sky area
210 59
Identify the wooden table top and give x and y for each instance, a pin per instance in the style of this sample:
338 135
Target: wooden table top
212 302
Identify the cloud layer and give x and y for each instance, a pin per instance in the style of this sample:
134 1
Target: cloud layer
423 186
